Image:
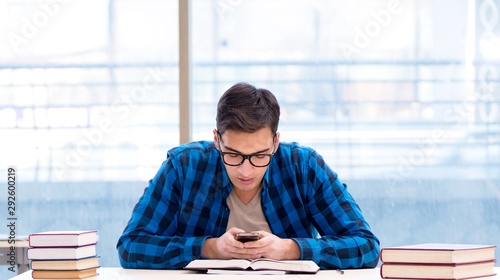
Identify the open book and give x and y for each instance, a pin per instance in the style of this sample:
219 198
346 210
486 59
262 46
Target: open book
266 266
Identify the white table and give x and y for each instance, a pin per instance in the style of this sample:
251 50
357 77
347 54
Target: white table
21 247
116 273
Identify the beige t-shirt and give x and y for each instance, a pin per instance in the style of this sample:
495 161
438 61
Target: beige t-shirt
248 217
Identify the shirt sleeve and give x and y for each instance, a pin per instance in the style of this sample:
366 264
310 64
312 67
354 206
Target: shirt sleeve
346 240
148 241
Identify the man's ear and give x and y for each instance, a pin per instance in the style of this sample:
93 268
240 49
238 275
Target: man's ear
276 141
216 138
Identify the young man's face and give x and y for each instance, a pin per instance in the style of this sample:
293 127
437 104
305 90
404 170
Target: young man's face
246 178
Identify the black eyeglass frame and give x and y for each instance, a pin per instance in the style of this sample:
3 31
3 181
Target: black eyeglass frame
245 157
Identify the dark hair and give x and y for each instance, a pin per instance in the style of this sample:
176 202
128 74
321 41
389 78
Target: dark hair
246 108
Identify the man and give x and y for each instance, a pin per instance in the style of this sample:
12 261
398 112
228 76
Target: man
246 181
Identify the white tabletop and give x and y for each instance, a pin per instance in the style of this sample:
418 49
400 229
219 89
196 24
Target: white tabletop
20 243
21 246
116 273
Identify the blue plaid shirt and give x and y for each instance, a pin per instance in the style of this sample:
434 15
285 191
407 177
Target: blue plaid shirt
185 203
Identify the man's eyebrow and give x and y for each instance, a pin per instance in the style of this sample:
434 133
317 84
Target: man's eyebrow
236 151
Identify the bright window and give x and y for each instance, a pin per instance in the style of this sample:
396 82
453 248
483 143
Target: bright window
400 97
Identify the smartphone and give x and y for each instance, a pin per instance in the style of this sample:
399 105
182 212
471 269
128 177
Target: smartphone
247 236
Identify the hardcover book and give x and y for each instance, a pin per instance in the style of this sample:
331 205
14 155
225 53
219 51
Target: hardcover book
438 253
437 271
63 238
62 253
267 266
65 264
63 274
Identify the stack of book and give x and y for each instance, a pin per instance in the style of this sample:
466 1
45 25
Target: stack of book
63 254
437 261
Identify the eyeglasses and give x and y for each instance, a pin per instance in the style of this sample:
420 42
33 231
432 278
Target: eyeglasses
236 159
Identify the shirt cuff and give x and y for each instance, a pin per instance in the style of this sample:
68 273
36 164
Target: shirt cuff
306 248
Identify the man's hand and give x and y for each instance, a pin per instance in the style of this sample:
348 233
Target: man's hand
268 246
227 247
272 247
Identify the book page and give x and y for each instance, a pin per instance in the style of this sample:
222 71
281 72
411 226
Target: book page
245 272
258 264
290 265
227 264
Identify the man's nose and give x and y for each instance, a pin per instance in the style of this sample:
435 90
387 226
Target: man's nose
246 168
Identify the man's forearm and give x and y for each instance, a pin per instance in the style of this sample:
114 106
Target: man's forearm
293 250
349 252
208 248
